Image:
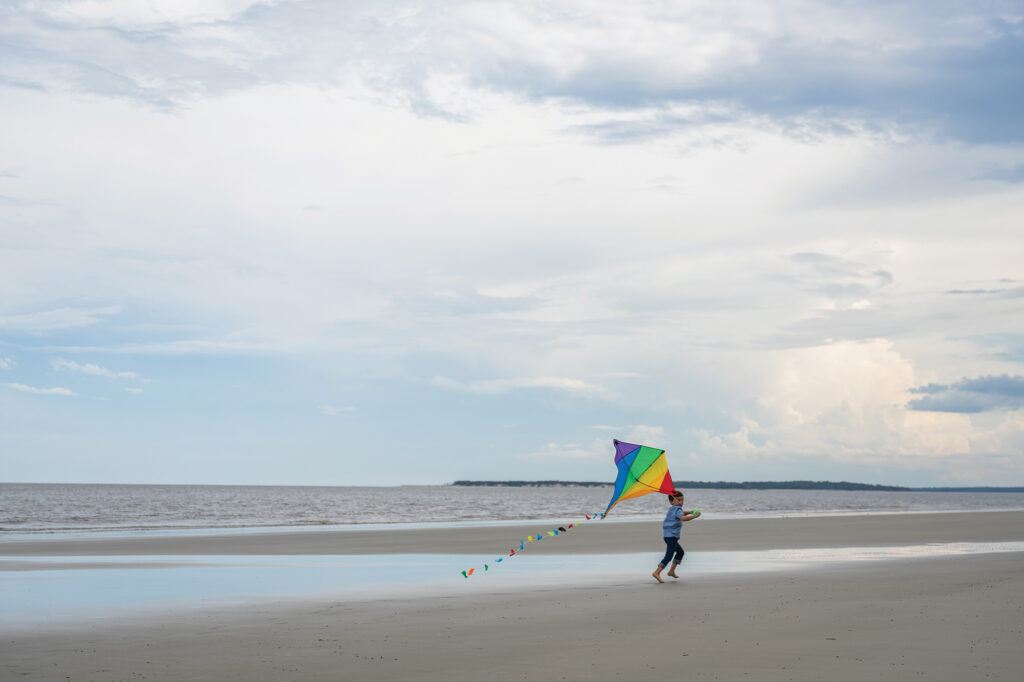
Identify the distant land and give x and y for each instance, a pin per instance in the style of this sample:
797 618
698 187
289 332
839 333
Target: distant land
748 485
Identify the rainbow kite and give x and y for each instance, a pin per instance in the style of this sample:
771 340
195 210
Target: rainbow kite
642 470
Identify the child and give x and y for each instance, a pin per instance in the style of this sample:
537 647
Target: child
673 526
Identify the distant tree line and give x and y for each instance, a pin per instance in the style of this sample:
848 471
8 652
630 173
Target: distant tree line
787 485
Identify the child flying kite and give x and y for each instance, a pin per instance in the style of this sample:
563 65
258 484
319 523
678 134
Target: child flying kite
643 470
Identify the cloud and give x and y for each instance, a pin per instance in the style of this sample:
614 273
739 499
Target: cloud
41 391
643 434
449 302
332 411
94 370
1005 385
601 448
975 292
843 401
501 386
230 344
836 277
52 320
133 390
7 363
930 388
644 124
968 396
147 15
596 449
833 67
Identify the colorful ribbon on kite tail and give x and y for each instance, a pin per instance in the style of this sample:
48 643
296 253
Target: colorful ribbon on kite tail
525 543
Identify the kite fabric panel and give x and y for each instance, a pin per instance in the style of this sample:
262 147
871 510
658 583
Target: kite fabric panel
642 470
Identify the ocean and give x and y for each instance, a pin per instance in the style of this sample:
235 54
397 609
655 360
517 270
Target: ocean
52 508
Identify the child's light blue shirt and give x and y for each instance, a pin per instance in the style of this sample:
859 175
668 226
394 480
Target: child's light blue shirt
672 525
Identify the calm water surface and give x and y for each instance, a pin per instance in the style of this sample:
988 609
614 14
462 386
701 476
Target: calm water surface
41 508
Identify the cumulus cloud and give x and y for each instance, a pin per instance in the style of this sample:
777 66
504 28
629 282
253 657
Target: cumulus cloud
41 391
8 363
981 394
843 401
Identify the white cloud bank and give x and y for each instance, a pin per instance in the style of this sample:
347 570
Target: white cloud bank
846 402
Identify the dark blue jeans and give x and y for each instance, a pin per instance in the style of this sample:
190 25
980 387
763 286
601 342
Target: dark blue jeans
673 552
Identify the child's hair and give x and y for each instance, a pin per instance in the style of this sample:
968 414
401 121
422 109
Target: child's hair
675 494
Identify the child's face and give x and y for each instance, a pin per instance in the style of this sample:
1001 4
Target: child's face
677 501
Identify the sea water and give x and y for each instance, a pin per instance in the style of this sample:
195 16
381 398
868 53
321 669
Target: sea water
48 508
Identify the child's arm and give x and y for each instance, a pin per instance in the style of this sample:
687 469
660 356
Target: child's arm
690 516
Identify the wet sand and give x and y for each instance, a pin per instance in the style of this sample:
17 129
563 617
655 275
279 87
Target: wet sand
935 618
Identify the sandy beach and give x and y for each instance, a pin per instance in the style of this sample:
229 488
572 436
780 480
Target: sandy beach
936 617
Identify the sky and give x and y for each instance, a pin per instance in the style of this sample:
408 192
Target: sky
317 242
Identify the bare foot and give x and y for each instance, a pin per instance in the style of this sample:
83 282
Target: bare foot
672 574
657 577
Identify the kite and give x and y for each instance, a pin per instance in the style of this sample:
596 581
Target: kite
642 470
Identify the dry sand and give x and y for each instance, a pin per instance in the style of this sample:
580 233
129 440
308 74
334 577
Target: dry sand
938 618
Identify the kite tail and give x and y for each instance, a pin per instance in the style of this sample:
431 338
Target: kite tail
521 546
